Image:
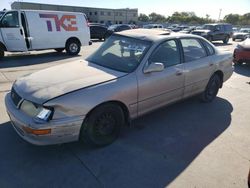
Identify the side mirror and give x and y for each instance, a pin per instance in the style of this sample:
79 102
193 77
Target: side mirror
154 67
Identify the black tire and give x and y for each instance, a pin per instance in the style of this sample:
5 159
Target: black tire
73 47
226 39
212 89
209 38
59 49
233 39
103 125
1 53
238 62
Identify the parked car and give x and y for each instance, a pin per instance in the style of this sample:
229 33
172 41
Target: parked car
98 31
117 28
242 52
132 73
242 34
26 30
179 28
153 26
188 30
215 32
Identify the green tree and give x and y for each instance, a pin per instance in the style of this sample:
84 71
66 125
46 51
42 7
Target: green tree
143 18
232 18
154 17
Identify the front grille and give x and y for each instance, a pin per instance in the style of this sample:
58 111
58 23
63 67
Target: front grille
15 97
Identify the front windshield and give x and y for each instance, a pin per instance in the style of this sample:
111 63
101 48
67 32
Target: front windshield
208 27
120 53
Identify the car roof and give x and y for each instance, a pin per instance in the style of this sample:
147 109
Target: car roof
154 35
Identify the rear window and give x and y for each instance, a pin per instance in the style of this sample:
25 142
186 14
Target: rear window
193 50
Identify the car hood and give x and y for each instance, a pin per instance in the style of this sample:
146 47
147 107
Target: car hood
202 30
47 84
245 43
241 33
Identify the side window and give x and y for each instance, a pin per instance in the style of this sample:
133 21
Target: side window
192 49
10 20
167 53
209 48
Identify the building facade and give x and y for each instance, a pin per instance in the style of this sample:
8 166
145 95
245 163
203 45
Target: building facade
95 15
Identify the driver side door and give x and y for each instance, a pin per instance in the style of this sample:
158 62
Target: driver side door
156 89
12 32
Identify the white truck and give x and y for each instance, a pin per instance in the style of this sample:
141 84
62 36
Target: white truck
26 30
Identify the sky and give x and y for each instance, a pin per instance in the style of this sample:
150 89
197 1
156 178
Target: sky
164 7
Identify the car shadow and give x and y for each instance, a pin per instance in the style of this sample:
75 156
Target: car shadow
152 153
243 69
19 60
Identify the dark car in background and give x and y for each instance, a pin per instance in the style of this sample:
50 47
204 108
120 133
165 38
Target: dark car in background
215 32
242 52
98 31
117 28
242 34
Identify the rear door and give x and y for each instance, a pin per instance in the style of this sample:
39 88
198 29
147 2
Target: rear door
12 31
199 65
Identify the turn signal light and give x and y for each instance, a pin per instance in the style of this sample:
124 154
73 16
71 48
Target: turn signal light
36 131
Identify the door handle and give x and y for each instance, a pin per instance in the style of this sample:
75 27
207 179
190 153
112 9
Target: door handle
211 64
178 73
21 31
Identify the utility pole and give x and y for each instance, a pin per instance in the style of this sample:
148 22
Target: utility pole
219 15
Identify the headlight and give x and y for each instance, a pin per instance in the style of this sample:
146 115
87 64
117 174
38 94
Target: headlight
30 109
44 114
36 111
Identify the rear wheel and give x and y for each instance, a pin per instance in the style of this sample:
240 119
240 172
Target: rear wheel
59 49
226 39
212 89
209 38
239 62
103 125
1 52
73 47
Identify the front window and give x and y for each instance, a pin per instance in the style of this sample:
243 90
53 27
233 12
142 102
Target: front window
120 53
1 14
10 20
167 53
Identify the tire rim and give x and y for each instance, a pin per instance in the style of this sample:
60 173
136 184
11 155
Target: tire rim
73 47
105 125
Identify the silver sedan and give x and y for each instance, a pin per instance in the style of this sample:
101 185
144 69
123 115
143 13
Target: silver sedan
131 74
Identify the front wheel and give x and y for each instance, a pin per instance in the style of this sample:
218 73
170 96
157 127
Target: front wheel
73 47
212 89
103 125
225 41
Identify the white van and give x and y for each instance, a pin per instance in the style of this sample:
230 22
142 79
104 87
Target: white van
26 30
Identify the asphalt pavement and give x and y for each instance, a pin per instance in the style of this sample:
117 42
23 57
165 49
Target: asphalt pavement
187 144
